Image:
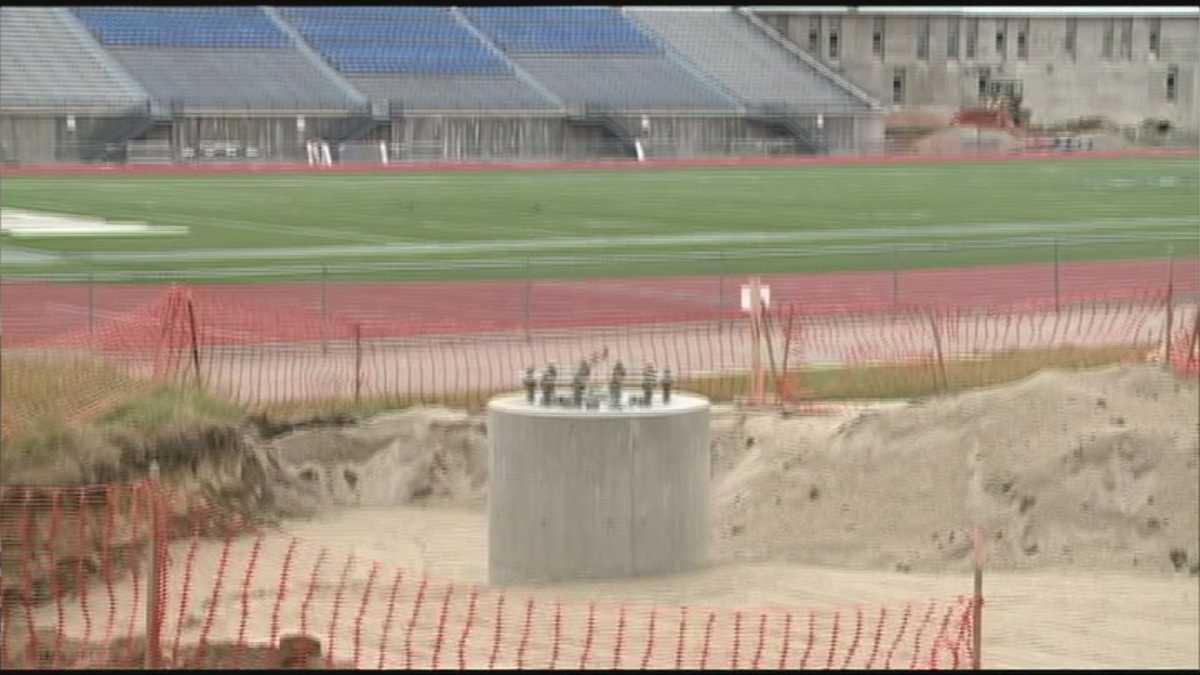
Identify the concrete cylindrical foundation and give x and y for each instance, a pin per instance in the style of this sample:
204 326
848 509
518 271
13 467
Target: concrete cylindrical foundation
592 494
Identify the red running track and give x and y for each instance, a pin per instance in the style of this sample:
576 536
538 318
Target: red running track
32 311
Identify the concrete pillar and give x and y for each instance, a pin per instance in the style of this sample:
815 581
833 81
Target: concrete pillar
593 494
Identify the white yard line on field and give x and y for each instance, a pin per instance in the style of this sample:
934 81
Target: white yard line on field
391 247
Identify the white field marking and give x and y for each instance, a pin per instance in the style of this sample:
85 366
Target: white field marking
594 224
22 223
292 230
277 228
22 256
394 248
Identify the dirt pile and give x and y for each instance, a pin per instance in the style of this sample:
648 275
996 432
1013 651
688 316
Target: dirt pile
1095 469
958 140
430 456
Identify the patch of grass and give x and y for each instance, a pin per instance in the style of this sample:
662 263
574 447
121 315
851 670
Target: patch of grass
48 440
343 409
830 217
916 380
906 381
70 387
65 415
167 408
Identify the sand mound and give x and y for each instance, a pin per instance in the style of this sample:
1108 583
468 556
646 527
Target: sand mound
1095 469
957 140
419 456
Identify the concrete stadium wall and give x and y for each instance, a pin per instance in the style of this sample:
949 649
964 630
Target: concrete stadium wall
28 139
457 137
47 137
1057 86
274 138
44 139
689 136
454 137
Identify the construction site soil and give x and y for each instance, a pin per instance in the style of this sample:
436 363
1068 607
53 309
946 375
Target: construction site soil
1086 486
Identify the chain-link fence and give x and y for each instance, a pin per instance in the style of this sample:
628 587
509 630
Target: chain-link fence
555 291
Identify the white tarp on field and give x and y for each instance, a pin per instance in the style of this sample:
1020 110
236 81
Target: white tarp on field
19 223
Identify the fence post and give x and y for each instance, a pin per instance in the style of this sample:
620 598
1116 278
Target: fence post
324 308
91 303
527 298
1170 305
1191 350
937 343
895 278
154 580
1056 281
357 362
721 293
977 605
756 329
195 343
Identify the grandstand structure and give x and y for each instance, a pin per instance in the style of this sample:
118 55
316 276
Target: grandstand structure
378 83
444 83
394 83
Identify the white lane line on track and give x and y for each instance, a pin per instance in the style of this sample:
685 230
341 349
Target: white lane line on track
82 310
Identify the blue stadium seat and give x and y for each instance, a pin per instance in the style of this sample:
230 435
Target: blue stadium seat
187 27
399 40
215 57
562 30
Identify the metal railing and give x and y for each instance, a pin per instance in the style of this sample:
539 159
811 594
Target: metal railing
237 151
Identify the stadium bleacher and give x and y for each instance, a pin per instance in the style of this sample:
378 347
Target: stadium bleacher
47 61
429 40
215 57
421 57
425 58
588 66
183 27
595 57
562 30
746 61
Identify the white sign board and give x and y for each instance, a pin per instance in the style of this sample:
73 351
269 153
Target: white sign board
764 293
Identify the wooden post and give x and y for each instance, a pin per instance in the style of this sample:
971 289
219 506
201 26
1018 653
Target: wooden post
1056 281
357 362
977 605
527 299
324 309
1170 306
770 339
756 337
720 294
1191 350
154 580
786 389
195 343
91 303
895 278
937 343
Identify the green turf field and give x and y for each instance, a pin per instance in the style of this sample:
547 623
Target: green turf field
583 222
